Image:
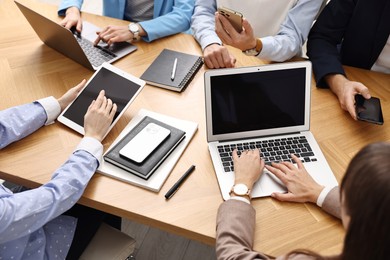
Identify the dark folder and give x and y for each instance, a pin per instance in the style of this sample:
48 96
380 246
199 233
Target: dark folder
160 71
151 163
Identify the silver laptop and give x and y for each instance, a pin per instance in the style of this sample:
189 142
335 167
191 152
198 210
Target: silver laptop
78 47
265 107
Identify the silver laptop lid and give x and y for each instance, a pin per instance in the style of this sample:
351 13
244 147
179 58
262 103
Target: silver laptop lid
63 40
258 101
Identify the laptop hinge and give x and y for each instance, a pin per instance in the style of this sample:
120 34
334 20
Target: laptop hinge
259 137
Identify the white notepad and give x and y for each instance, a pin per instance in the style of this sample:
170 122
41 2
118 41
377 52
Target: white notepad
155 182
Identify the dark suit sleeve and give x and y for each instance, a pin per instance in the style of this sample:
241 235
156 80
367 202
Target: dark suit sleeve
235 231
325 38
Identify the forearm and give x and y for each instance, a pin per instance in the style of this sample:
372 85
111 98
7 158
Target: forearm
279 48
203 23
293 32
35 207
325 59
331 203
325 39
65 4
235 231
335 82
176 21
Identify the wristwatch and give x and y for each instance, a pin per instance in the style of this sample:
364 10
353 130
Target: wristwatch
134 29
256 50
240 189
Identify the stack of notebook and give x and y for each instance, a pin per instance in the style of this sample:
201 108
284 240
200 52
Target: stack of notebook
158 176
147 166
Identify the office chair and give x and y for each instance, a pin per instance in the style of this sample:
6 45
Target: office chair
109 243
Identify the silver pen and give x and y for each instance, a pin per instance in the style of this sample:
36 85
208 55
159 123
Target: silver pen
174 69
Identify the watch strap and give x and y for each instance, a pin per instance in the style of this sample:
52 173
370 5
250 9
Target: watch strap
256 50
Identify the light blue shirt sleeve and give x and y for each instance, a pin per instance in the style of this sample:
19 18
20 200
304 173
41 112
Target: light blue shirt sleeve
293 32
30 221
203 23
26 212
283 46
20 121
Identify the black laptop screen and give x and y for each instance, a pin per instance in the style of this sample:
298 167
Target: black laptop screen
258 100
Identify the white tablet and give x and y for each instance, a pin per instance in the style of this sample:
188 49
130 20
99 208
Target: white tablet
121 87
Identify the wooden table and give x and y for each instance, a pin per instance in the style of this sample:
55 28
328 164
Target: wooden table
30 70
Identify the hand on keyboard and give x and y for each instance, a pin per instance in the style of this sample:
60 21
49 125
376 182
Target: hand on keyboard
247 167
300 185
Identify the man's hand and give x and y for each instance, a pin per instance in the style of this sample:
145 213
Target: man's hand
99 117
244 40
248 167
345 90
70 95
300 185
112 34
217 56
72 18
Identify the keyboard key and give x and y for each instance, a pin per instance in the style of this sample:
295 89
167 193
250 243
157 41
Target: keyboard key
307 154
224 154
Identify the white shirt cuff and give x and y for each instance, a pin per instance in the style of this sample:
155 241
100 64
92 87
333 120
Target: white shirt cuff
92 146
240 198
322 196
52 108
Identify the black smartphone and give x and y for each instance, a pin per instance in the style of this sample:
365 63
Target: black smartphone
369 110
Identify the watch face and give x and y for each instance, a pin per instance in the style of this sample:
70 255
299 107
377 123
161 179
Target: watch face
133 27
251 52
240 189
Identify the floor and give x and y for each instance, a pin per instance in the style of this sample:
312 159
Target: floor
153 243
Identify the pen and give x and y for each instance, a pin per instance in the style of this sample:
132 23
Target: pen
174 69
176 186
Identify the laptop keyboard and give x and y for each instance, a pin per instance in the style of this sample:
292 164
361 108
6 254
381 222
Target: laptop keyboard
95 54
275 150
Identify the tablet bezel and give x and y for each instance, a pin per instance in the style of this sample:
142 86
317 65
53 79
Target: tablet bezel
80 129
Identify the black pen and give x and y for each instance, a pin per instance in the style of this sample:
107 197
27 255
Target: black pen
176 186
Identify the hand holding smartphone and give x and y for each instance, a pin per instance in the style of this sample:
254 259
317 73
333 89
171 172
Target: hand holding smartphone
368 110
234 17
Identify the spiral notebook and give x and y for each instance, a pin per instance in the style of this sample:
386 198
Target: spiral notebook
167 73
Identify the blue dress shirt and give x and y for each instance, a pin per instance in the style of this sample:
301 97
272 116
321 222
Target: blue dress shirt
169 16
31 224
286 44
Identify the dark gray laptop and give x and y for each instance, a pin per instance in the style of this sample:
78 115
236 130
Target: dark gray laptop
78 47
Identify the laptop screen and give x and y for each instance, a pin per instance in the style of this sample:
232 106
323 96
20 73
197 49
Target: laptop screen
257 100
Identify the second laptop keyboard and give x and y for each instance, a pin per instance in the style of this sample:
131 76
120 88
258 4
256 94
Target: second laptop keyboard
275 150
95 54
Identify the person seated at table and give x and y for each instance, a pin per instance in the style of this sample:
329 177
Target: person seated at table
353 33
45 223
272 30
362 202
150 19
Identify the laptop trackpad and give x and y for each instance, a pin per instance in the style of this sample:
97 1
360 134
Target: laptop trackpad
267 184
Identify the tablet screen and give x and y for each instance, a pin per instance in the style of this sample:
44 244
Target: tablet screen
119 89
